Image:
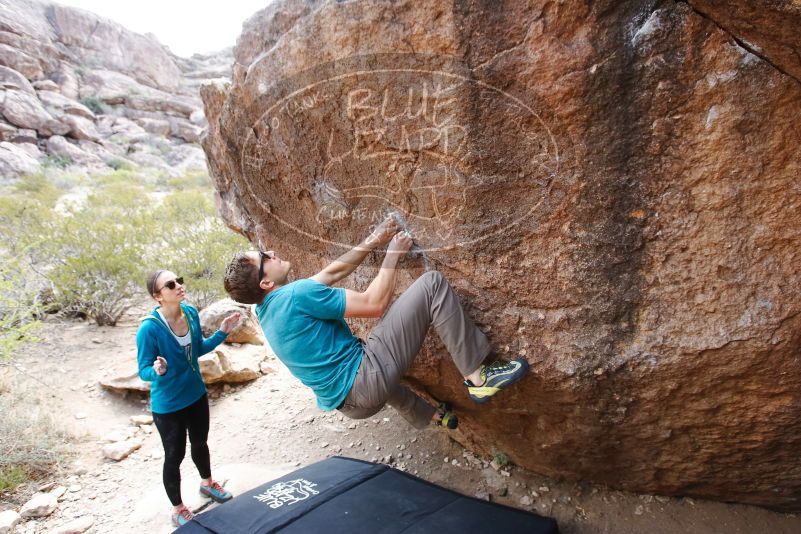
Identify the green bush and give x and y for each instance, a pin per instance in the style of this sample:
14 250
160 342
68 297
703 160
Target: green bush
119 164
94 105
92 255
98 252
202 260
12 476
501 459
188 181
18 308
57 161
38 187
200 251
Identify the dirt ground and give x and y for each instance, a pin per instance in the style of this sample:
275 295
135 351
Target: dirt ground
270 426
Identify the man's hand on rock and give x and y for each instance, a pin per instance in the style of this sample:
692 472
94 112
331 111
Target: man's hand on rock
382 233
400 244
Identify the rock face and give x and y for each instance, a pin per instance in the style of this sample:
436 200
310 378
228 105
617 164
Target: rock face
767 29
610 187
67 72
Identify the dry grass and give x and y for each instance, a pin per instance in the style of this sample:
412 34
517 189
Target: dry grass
33 444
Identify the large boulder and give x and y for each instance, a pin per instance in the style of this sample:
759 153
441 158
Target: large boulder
24 109
154 126
56 102
67 81
232 365
111 87
18 60
162 102
122 384
609 186
40 505
187 157
18 159
46 85
108 153
7 132
185 130
227 364
11 79
247 329
121 449
59 146
80 127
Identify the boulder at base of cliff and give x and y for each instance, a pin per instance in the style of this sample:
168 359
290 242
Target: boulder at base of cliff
248 329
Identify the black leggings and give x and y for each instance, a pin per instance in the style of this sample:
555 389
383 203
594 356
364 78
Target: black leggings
173 428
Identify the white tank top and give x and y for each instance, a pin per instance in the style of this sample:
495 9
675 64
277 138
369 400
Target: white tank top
182 340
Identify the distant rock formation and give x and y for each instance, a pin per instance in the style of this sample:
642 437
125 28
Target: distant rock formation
612 188
89 92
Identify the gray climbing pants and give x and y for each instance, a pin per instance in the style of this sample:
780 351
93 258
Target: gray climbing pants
393 344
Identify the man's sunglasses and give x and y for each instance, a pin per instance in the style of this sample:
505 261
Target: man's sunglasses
263 256
170 284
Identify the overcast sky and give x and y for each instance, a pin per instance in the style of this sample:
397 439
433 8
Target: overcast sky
186 26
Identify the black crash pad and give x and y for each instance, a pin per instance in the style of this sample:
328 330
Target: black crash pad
347 496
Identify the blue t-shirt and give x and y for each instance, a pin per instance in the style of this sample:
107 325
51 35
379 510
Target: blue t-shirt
304 324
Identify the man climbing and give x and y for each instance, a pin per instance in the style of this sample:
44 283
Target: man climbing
304 323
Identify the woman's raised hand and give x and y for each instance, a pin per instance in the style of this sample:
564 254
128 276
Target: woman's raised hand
230 322
160 366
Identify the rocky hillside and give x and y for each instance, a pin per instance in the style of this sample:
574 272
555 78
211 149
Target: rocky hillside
79 89
611 186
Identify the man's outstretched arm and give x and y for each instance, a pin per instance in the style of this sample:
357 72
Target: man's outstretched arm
373 301
347 263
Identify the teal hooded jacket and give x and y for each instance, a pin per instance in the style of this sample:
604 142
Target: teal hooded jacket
182 384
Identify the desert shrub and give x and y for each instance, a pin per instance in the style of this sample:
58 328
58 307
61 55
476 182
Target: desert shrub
32 442
23 221
38 187
12 476
202 261
119 164
93 104
501 459
200 250
19 307
91 256
26 221
121 177
98 253
188 181
58 161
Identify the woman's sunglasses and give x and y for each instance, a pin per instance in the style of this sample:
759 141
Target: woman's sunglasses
170 284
